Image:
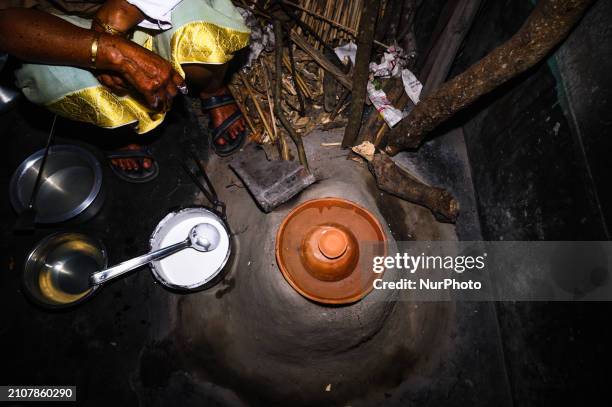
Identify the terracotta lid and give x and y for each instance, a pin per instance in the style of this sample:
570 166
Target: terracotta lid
318 250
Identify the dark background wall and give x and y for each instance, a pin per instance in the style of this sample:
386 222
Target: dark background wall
531 177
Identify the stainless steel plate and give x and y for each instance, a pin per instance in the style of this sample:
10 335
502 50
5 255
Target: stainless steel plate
71 181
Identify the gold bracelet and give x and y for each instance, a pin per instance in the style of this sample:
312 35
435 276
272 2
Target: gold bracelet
94 49
109 29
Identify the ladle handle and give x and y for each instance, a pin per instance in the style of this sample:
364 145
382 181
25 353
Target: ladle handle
122 268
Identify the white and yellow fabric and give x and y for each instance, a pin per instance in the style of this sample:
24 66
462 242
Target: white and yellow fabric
202 32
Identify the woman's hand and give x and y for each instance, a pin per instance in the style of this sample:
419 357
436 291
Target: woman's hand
118 14
114 82
123 17
36 36
148 73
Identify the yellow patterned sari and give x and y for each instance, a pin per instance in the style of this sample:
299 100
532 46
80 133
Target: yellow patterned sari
203 31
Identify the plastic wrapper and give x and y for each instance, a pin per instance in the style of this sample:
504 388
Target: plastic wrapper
412 86
347 52
379 99
391 63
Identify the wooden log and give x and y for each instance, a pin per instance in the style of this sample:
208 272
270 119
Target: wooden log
361 71
397 181
341 101
549 23
387 28
329 90
407 19
436 69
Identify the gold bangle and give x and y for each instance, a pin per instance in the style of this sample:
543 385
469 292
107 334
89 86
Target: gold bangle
94 49
109 29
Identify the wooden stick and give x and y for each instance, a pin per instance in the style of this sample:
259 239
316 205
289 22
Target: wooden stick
320 59
361 71
283 146
341 101
309 30
298 78
269 99
349 30
247 86
379 135
375 124
245 113
295 76
297 140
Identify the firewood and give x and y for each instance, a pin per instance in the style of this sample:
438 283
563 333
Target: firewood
297 139
549 23
335 24
320 59
451 29
399 182
245 113
361 71
251 94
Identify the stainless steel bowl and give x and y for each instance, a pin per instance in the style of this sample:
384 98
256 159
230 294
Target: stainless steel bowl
71 182
57 262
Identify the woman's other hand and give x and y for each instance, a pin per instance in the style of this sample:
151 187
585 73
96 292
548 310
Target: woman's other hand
148 73
136 68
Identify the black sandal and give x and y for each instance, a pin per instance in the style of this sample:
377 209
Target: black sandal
231 145
139 176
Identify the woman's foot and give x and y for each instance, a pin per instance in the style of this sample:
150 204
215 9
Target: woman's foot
133 163
219 115
227 123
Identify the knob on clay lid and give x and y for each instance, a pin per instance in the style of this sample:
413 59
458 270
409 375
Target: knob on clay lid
318 250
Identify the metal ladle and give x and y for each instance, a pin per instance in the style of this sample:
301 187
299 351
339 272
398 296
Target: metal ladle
203 237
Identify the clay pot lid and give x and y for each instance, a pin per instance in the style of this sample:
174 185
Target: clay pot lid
318 249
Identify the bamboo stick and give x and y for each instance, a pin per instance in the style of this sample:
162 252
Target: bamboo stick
352 31
297 139
320 59
250 92
256 136
299 80
283 147
379 135
294 75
